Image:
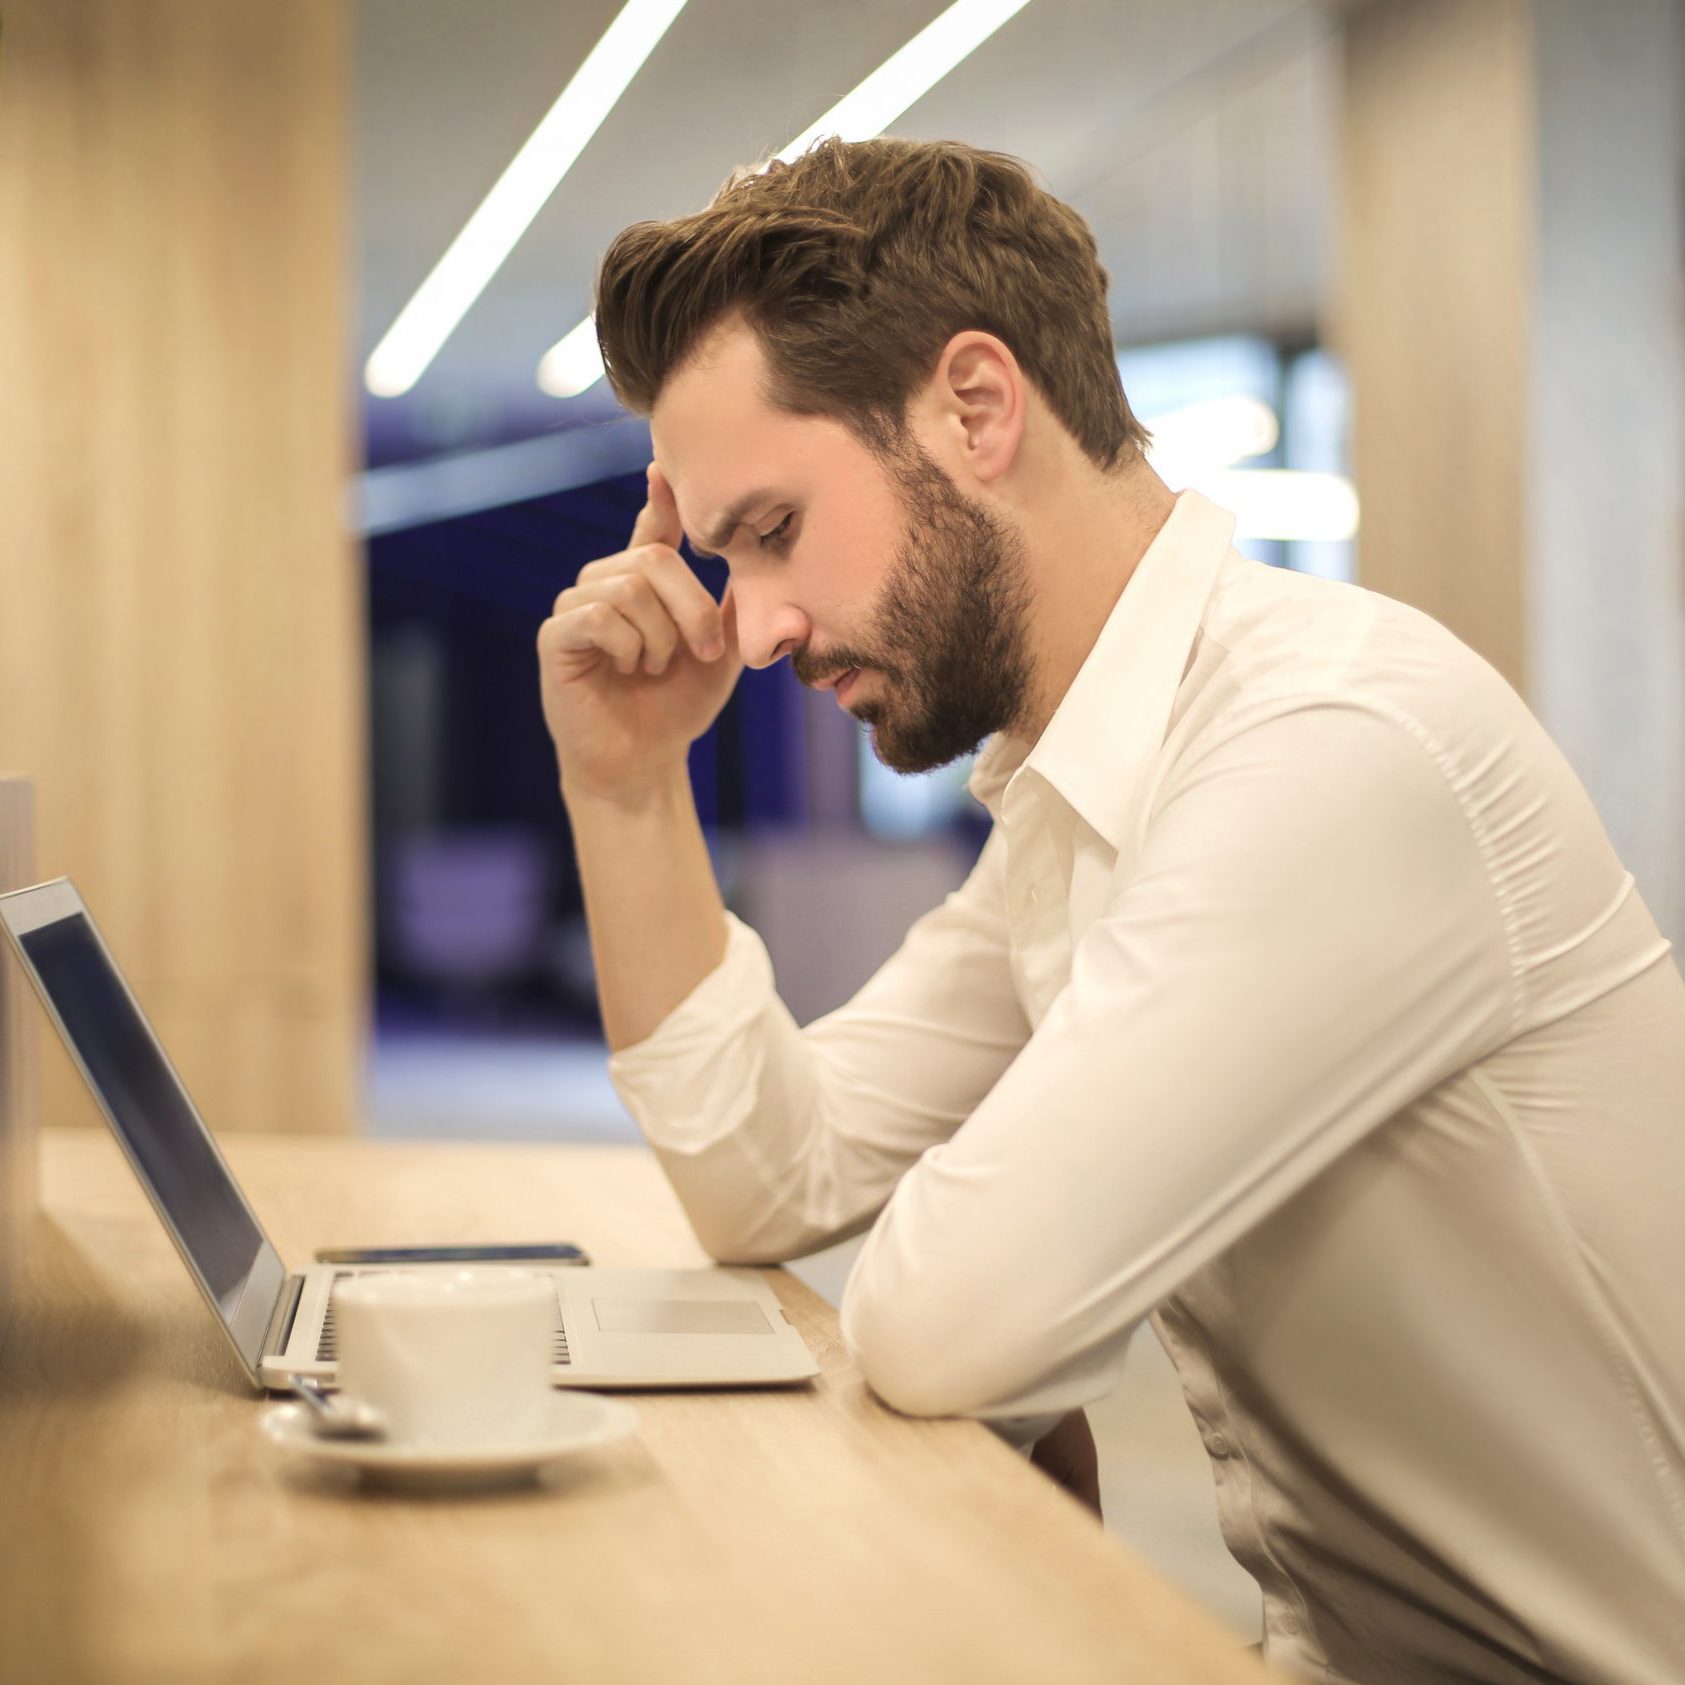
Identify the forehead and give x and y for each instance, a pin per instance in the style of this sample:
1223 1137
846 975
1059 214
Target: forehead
717 438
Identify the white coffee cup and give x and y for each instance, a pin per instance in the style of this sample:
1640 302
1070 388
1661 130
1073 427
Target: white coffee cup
449 1357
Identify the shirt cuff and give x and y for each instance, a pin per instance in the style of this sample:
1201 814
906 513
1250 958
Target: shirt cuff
666 1079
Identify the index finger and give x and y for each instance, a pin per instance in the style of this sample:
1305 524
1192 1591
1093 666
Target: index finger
658 521
702 622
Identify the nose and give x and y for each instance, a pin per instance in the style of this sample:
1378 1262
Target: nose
768 627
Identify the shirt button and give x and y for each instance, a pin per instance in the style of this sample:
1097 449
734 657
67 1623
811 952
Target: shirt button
1289 1623
1217 1445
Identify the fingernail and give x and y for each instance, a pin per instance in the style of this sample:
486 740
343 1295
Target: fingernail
713 649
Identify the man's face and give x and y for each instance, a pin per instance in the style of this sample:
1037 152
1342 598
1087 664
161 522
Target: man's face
881 578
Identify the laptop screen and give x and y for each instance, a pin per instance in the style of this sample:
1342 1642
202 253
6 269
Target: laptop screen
145 1101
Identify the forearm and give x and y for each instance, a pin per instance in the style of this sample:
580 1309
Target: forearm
780 1139
739 1107
652 905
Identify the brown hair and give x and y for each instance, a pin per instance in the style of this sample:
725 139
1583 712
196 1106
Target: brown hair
854 266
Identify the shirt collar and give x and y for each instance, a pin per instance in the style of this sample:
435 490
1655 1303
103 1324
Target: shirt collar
1115 714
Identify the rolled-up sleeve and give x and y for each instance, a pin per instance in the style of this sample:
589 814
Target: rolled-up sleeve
779 1140
1309 939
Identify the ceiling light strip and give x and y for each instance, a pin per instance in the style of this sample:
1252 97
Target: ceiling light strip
572 365
903 79
490 234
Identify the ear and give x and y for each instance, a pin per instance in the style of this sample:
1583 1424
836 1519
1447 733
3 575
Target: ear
979 397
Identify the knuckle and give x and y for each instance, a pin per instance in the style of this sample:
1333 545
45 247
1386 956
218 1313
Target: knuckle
640 594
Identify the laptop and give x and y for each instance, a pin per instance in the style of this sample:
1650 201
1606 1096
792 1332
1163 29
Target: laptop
614 1327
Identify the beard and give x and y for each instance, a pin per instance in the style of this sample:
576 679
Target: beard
948 635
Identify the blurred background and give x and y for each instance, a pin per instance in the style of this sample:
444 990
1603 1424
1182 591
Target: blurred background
301 434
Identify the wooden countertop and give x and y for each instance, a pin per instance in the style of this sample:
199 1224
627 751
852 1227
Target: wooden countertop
150 1533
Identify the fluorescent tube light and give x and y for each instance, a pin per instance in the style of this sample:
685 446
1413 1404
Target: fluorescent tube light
1214 433
574 364
903 79
443 488
1285 503
477 253
893 88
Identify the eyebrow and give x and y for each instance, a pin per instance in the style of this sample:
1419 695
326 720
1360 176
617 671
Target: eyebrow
720 534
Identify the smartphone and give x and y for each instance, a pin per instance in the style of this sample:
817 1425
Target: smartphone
546 1252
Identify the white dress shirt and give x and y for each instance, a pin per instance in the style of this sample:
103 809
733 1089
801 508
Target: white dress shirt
1299 1002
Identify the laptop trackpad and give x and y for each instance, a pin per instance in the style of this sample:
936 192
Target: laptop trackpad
680 1316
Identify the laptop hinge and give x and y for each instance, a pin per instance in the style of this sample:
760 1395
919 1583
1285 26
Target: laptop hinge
281 1319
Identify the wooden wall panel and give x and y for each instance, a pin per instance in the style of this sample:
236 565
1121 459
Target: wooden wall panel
1510 310
181 615
19 1041
1432 316
1606 553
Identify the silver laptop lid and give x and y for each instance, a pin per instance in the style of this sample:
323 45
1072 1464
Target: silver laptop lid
161 1132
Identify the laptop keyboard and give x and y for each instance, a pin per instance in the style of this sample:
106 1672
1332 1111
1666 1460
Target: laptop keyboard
327 1347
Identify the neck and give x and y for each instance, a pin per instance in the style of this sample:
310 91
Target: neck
1084 544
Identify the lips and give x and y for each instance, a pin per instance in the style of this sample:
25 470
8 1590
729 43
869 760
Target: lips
845 684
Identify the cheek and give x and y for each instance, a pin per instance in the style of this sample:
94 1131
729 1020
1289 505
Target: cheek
825 585
856 584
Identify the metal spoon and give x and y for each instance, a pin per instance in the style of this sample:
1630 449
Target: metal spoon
338 1418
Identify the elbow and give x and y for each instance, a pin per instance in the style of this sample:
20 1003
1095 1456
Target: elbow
759 1237
927 1362
734 1223
761 1231
911 1390
737 1246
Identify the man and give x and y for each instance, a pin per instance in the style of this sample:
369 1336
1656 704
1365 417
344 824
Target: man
1297 1001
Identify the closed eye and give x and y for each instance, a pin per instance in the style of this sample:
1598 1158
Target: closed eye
780 534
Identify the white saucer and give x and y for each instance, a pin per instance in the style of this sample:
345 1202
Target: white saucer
577 1420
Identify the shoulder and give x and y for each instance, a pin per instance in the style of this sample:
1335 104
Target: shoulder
1275 642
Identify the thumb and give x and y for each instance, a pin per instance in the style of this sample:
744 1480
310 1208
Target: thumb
728 614
658 520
